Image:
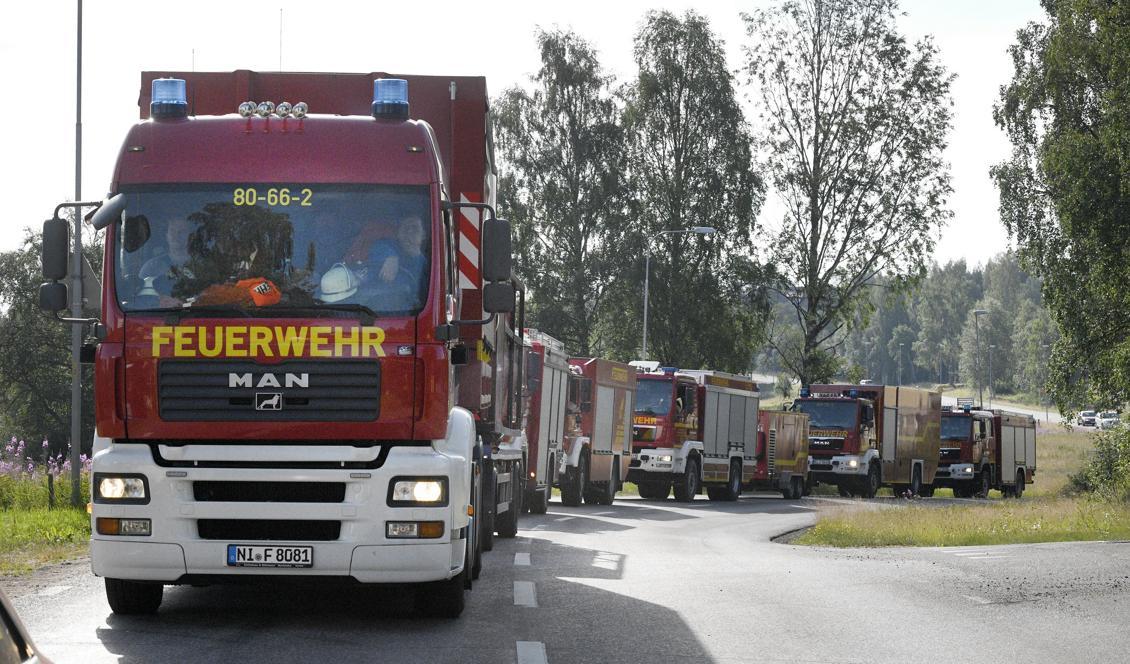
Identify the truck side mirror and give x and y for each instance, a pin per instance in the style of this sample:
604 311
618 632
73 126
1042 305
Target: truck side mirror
53 296
498 298
54 254
496 251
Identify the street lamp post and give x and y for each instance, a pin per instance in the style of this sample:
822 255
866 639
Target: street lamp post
1044 382
977 313
900 363
701 230
991 347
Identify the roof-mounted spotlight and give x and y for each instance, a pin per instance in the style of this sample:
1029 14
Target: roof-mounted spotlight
265 109
300 110
247 109
283 109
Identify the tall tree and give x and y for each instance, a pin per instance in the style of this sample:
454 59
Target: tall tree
854 121
940 308
563 148
1065 191
691 166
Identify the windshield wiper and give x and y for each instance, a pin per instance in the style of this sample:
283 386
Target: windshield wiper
176 314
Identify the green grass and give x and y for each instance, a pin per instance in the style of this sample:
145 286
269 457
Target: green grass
31 538
993 522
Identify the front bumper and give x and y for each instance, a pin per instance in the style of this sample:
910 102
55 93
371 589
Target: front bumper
954 474
844 465
652 463
361 550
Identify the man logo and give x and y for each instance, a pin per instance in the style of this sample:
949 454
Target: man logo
289 380
268 400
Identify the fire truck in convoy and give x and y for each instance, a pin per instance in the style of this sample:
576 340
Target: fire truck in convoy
781 459
986 449
863 437
598 431
309 360
693 429
547 380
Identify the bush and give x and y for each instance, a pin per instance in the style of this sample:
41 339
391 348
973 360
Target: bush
1107 470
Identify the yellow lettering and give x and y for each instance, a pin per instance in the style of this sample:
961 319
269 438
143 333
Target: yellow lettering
319 337
234 338
291 340
160 338
261 342
372 338
202 342
347 337
181 340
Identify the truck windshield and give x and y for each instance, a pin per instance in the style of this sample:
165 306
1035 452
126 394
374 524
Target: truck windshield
263 247
956 427
653 397
829 414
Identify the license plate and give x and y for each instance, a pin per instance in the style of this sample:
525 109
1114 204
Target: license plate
240 555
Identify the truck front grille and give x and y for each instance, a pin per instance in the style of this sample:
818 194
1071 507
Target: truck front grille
269 492
227 390
246 530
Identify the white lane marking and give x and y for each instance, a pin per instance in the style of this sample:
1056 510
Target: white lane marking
602 513
531 652
525 594
606 560
970 553
52 590
522 559
979 600
565 518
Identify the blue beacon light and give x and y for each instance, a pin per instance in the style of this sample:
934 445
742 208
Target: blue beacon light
168 98
804 392
390 99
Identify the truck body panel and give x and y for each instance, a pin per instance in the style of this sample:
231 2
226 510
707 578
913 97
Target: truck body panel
598 429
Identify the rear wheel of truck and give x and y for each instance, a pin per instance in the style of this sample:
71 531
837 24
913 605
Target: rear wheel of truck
985 486
687 486
604 493
716 493
871 484
573 486
733 489
1018 492
507 522
797 484
129 598
916 481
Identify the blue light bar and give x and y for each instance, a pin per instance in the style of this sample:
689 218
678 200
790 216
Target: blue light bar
669 370
168 98
390 99
804 393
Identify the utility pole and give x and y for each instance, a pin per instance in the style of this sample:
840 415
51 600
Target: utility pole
977 313
991 347
1044 382
76 289
900 363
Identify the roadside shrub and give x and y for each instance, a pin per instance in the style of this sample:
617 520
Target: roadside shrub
24 473
1106 472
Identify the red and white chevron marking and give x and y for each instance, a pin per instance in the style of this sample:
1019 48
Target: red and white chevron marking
469 242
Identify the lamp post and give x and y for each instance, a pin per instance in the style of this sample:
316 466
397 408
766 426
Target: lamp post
701 230
977 313
991 347
900 363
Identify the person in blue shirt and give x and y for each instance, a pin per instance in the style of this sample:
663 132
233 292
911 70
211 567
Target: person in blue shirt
398 268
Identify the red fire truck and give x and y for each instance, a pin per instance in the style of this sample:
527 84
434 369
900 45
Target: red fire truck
863 437
693 429
986 449
598 429
309 358
547 381
781 458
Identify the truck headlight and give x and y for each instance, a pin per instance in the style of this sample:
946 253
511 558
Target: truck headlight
967 470
853 463
110 488
418 491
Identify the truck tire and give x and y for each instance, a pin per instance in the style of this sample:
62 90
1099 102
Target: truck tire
131 598
927 491
716 493
797 484
476 531
916 481
1018 492
733 489
507 522
872 483
443 599
573 487
655 490
604 493
986 484
539 501
687 487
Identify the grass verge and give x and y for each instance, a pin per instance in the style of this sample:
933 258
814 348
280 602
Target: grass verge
993 522
32 538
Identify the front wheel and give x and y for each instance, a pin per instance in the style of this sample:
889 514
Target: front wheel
916 482
687 487
573 488
986 484
129 598
443 599
872 482
508 520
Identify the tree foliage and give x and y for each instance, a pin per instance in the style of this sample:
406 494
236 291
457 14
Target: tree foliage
564 157
35 367
1065 190
854 121
691 166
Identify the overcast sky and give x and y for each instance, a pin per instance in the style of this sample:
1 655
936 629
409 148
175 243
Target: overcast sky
122 38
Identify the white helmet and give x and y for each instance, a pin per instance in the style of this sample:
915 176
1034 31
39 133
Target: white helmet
338 283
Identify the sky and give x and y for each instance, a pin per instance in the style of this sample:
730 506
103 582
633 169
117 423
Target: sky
122 38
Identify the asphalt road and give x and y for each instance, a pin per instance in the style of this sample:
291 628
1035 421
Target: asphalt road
640 582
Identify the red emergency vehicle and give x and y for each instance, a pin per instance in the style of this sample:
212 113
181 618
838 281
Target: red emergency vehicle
547 380
310 354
